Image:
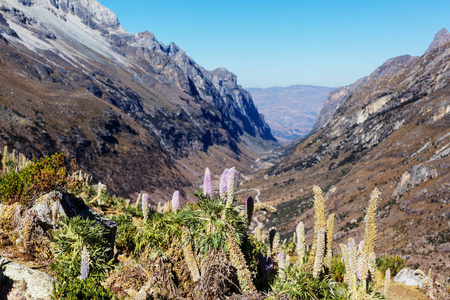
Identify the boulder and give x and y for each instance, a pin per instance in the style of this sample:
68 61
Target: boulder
409 277
69 206
20 282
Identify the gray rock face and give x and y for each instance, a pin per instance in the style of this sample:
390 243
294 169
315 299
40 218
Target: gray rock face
337 98
409 277
22 282
441 38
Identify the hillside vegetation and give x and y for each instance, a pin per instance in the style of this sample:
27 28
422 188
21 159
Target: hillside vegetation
203 250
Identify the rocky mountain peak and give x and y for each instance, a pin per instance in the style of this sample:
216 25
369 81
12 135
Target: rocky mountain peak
225 76
90 12
441 38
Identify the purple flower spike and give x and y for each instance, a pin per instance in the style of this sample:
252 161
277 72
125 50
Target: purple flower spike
176 201
223 184
85 263
207 184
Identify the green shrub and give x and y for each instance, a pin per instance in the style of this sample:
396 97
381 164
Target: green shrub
303 285
79 289
73 234
338 268
207 221
126 232
395 263
41 176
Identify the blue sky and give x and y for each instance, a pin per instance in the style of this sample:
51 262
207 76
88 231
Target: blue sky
282 43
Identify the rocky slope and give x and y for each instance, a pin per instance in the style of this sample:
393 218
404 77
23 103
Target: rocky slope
389 130
290 111
139 114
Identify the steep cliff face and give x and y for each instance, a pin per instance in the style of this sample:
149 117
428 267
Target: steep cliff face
74 80
391 131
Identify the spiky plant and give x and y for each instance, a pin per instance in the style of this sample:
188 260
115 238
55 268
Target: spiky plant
370 234
85 263
231 181
69 240
223 188
145 206
281 265
372 265
136 205
264 207
300 229
362 269
344 252
176 201
189 255
207 184
238 261
320 252
329 259
320 220
387 282
330 231
257 234
249 206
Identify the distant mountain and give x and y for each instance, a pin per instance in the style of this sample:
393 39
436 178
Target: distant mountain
390 130
141 115
290 111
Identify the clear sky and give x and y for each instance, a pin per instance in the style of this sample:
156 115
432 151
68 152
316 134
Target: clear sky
285 42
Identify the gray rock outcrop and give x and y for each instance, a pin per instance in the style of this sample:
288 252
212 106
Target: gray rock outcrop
19 282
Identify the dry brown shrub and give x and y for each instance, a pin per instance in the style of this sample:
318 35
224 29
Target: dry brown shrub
218 279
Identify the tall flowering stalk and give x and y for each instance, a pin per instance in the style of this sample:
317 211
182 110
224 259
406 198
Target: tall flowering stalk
189 256
230 185
320 252
370 234
372 265
257 233
320 220
249 206
85 258
176 201
145 205
300 229
281 265
137 201
351 263
330 231
362 271
387 282
207 184
238 261
223 188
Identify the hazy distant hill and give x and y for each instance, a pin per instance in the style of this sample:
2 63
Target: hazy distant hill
290 111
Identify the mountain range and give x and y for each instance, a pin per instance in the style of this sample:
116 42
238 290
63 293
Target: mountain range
290 111
138 114
391 131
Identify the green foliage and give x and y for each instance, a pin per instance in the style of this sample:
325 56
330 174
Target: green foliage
69 240
303 285
338 268
395 263
41 176
289 248
79 289
206 220
126 232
